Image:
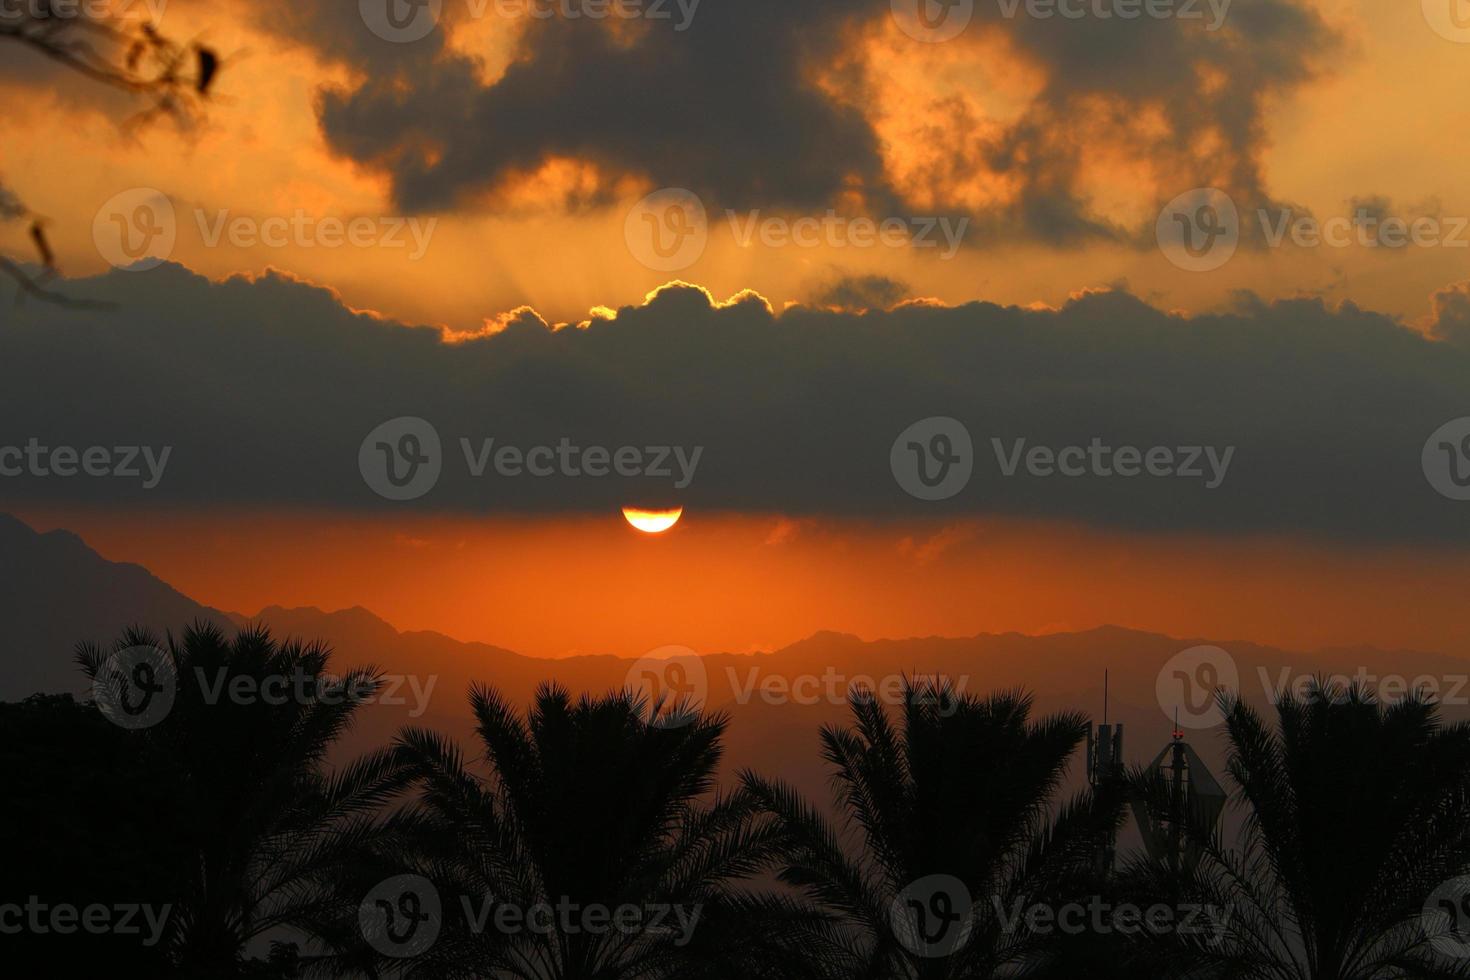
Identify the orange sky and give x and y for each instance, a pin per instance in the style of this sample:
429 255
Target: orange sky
594 585
746 582
1360 129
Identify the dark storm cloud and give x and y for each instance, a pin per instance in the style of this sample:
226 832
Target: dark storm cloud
266 390
725 108
730 108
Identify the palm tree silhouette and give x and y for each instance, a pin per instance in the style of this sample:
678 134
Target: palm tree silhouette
1356 818
956 832
243 747
598 804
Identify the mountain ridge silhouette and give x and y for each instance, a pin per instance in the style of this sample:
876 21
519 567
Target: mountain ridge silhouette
55 591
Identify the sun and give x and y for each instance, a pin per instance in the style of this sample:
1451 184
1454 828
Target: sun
652 521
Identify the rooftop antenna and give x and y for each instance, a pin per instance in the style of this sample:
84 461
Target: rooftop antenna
1104 762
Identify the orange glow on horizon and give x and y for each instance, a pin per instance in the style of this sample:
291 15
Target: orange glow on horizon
745 582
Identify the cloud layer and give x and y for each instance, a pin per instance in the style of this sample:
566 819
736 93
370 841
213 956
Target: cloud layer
776 104
266 390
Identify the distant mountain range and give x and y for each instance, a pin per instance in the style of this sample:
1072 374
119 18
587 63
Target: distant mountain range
55 591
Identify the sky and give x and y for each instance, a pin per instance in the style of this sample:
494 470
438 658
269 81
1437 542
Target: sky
766 245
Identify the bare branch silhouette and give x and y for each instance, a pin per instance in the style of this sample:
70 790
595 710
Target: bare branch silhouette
175 78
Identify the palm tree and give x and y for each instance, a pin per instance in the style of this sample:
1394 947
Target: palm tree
593 850
956 836
239 735
1357 816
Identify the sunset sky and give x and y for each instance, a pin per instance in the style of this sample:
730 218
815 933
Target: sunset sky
520 148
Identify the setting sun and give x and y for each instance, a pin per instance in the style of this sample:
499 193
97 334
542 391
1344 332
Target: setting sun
652 521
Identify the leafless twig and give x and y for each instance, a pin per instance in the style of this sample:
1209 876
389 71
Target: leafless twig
175 78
